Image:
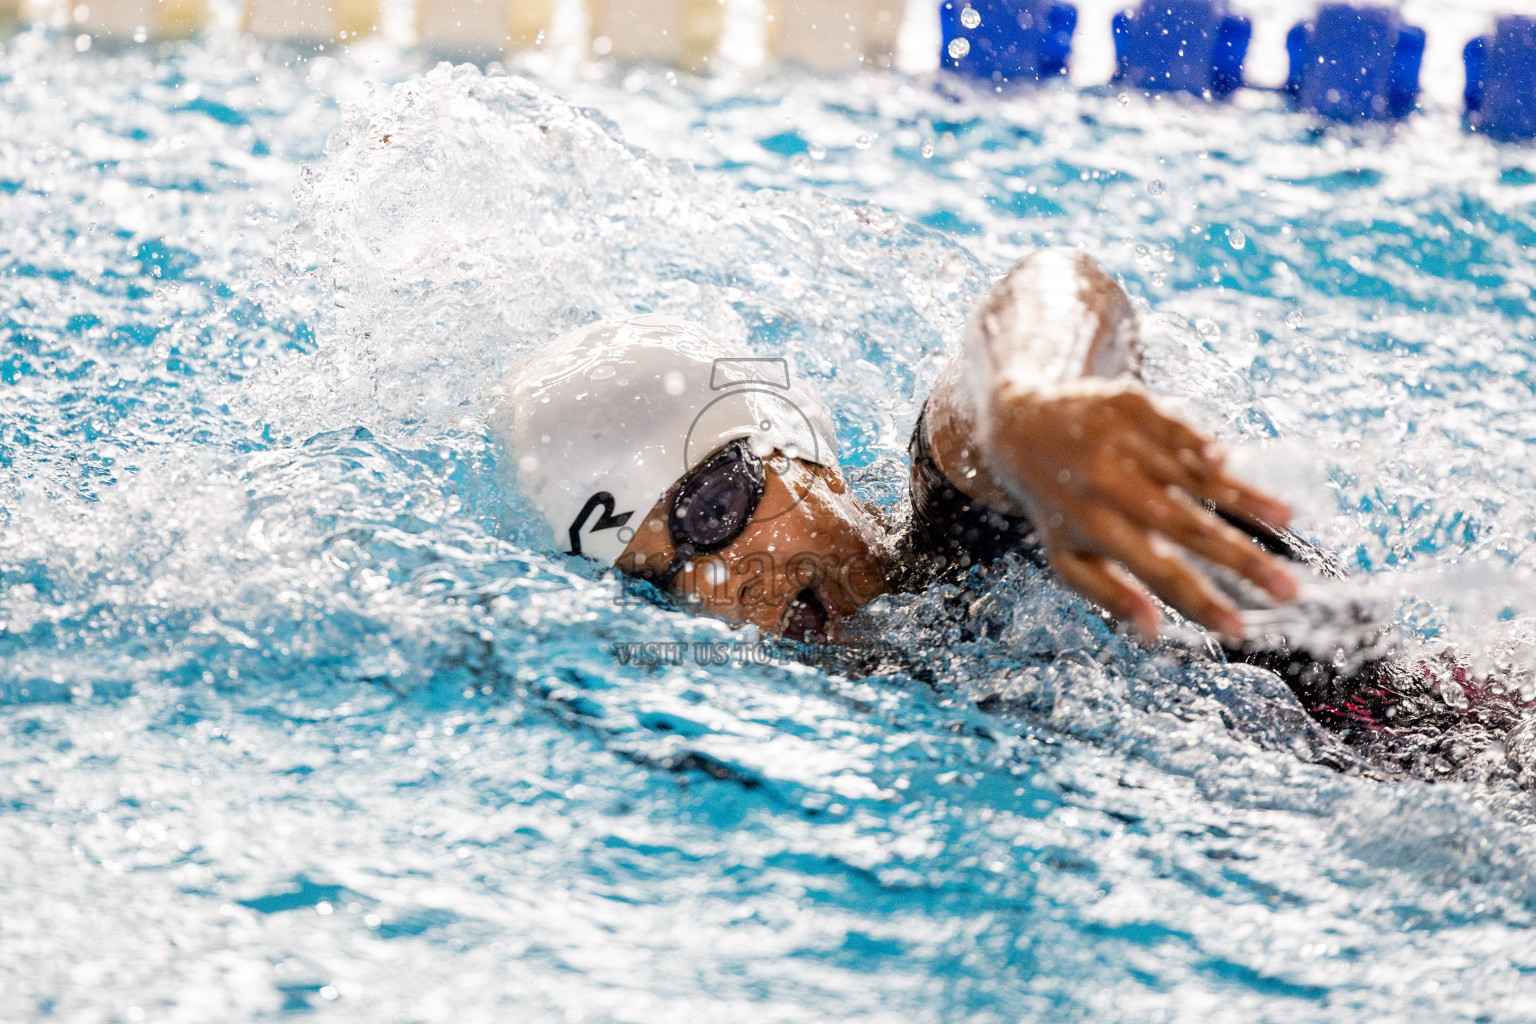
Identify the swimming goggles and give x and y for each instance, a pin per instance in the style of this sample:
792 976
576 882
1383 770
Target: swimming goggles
713 506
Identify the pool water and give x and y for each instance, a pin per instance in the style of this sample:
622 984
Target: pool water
301 715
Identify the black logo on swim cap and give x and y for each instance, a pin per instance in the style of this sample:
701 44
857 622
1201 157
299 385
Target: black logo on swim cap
607 521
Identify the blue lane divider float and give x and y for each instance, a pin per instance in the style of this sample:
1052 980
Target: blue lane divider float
1191 46
1501 80
1007 41
1356 63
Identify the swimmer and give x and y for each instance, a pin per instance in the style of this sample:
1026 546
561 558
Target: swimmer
648 444
726 491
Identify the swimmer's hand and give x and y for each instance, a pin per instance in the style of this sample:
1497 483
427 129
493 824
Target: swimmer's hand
1112 485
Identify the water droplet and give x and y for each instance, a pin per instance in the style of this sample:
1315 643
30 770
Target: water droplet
1155 187
1125 99
970 17
1454 694
140 34
959 48
864 141
1294 320
82 43
817 152
1236 239
1208 329
927 149
674 383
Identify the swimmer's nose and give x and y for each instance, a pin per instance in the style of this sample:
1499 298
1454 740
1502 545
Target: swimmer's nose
806 617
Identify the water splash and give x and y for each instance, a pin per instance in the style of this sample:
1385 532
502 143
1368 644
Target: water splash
291 697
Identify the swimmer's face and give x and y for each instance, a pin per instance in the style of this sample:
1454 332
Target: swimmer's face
805 563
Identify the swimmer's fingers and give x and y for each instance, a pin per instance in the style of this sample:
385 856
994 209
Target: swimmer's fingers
1165 466
1186 458
1182 469
1198 453
1154 562
1248 503
1103 581
1170 513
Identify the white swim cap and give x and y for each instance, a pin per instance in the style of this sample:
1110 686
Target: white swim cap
602 422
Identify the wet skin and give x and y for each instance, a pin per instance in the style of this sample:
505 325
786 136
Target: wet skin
1054 423
1043 416
812 556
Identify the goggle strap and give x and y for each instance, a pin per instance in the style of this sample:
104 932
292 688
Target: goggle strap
685 554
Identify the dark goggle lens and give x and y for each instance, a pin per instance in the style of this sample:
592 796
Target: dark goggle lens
718 500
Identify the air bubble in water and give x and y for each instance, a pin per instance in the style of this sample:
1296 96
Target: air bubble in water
1155 187
864 140
1125 99
1294 320
1208 329
970 17
1454 694
1236 239
959 48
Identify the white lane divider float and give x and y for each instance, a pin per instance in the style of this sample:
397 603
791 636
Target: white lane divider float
682 32
828 36
312 20
491 25
134 19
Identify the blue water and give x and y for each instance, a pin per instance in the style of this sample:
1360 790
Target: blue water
300 715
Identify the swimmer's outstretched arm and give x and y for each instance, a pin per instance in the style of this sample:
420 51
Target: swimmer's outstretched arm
1045 416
